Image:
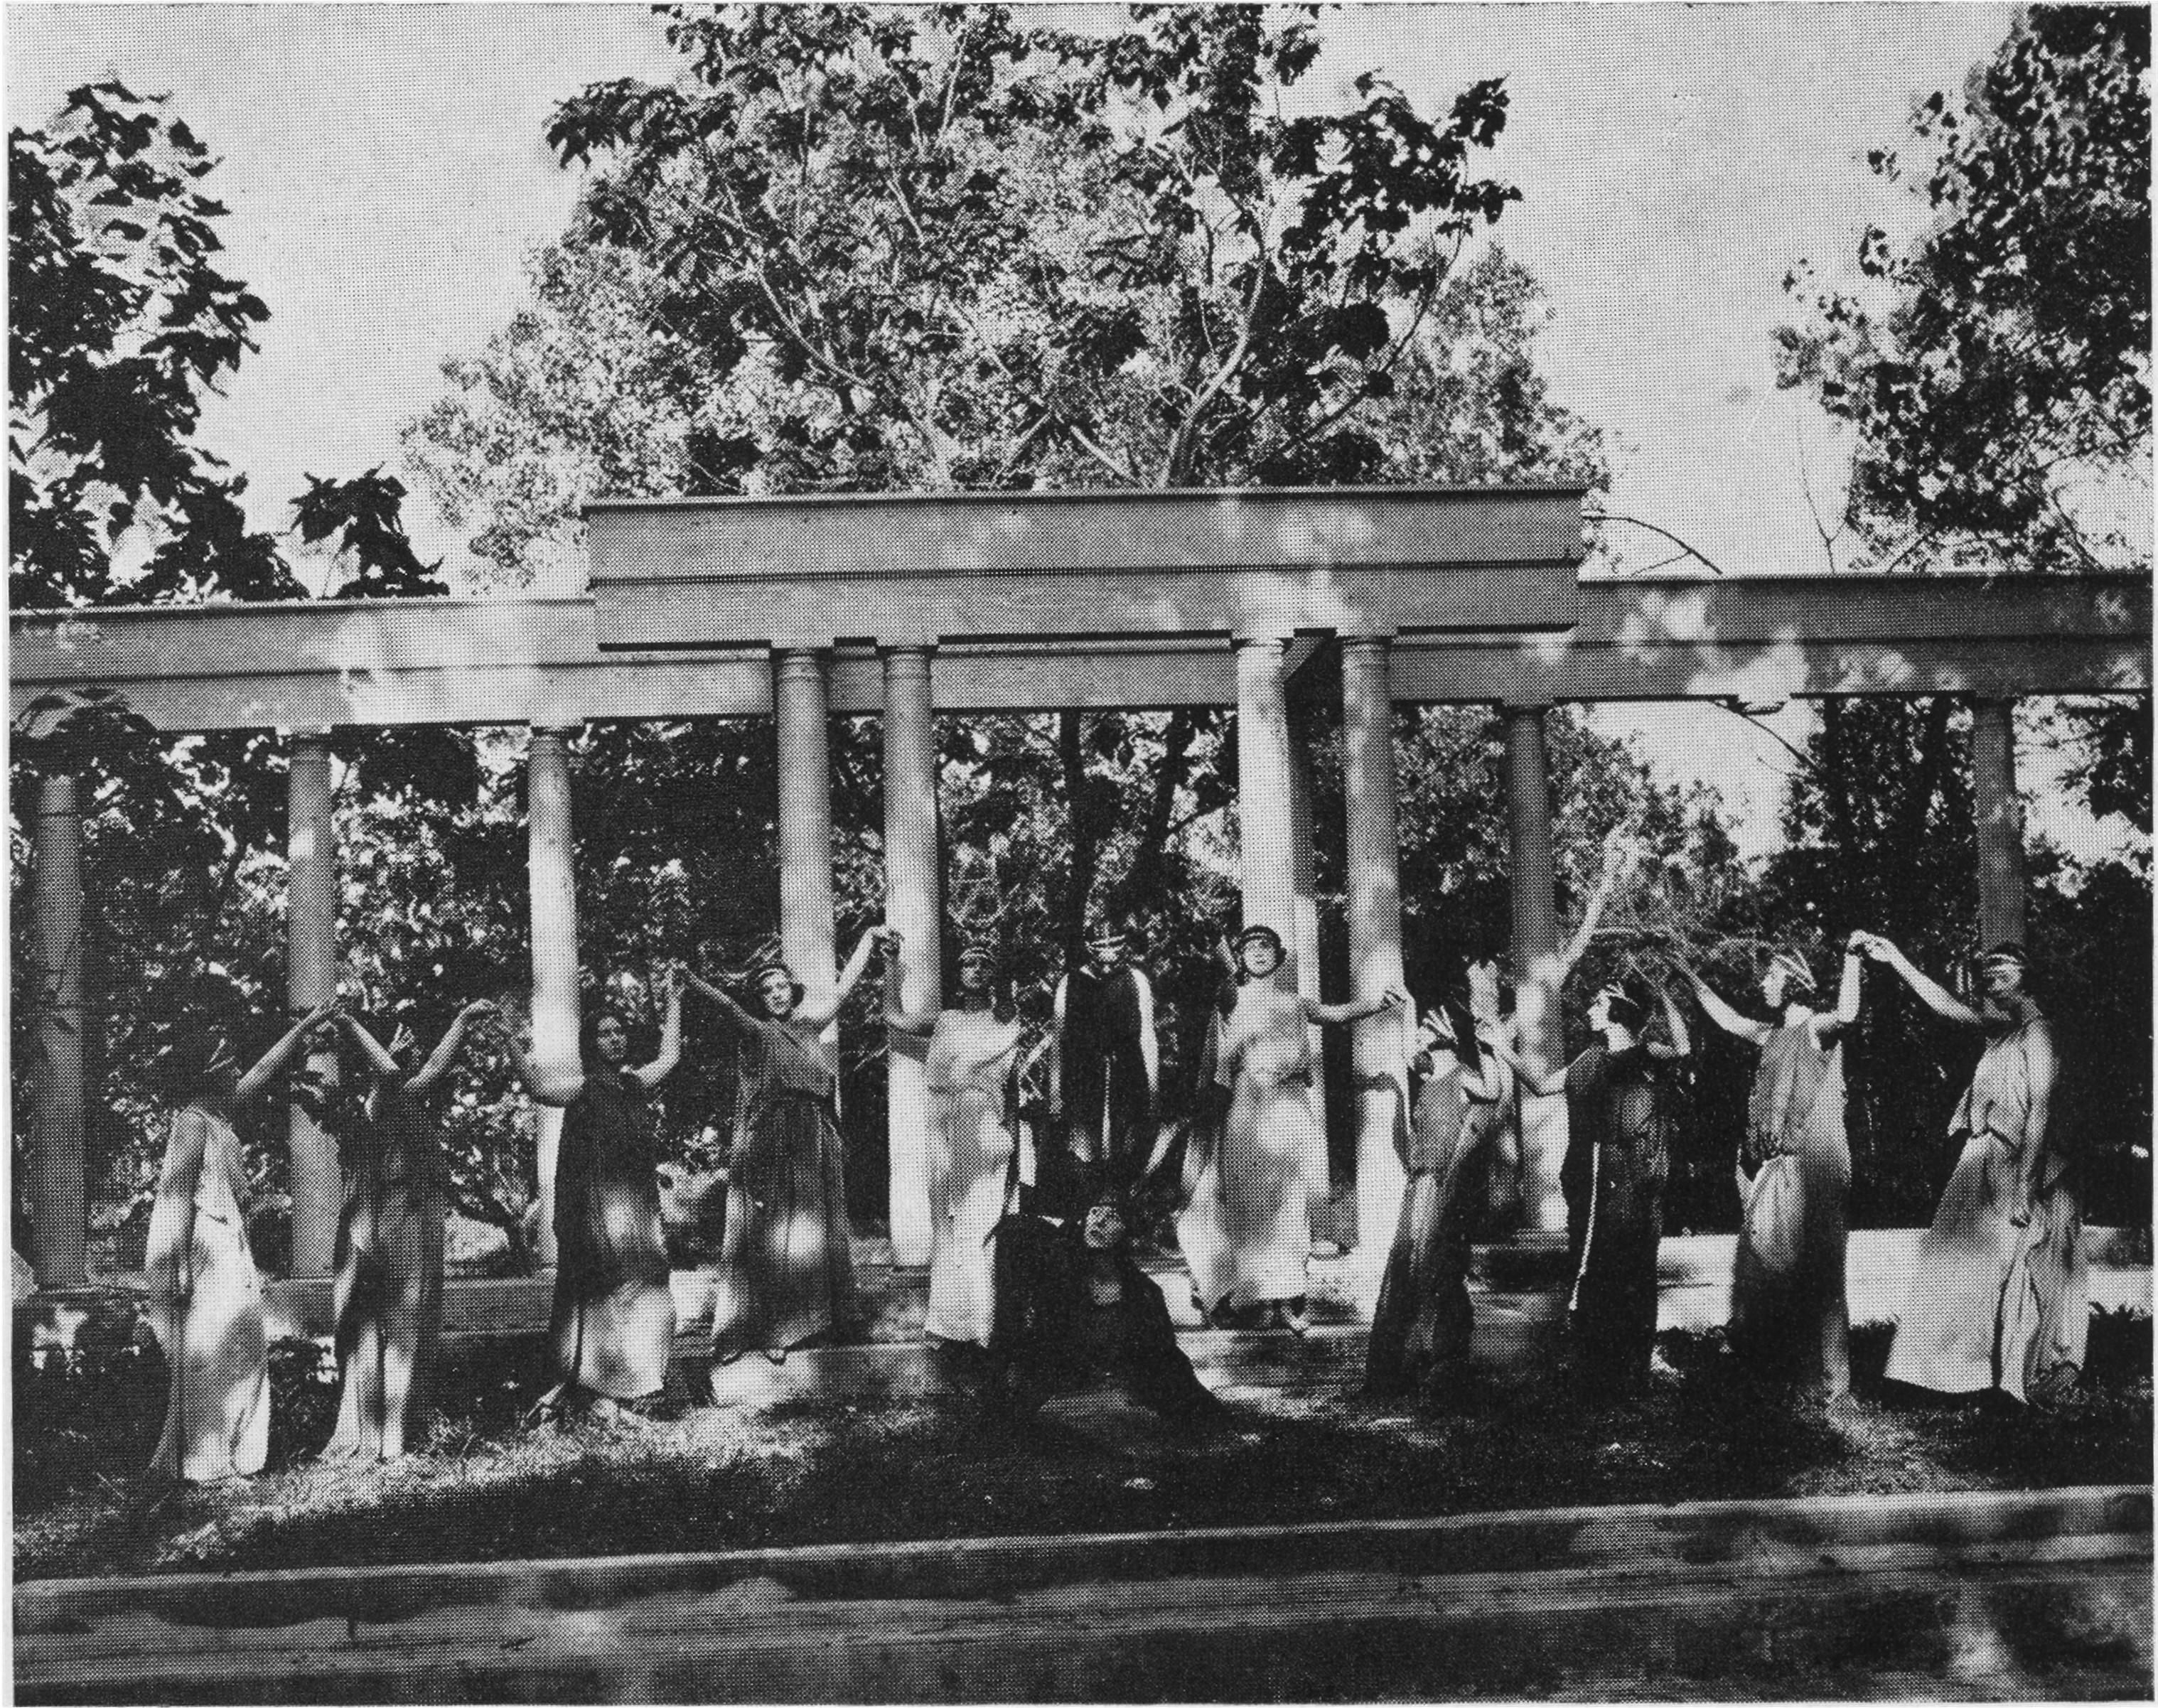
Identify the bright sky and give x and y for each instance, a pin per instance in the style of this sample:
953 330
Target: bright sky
387 177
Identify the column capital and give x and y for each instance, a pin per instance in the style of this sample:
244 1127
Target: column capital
905 659
800 660
1276 640
1366 641
552 735
1524 708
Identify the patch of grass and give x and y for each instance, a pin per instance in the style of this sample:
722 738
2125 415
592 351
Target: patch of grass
838 1470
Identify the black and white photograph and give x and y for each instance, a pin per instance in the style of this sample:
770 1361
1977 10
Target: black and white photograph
1086 853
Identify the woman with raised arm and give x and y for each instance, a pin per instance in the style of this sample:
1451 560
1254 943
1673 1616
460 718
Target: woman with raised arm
1998 1297
389 1245
1265 1059
612 1326
786 1264
972 1055
1421 1328
205 1304
1618 1096
1788 1315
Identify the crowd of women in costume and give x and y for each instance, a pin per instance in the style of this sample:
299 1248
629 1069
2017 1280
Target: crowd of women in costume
1040 1142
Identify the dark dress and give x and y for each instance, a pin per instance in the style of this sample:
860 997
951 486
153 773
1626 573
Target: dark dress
1788 1316
389 1279
1619 1109
1101 1068
787 1265
1421 1324
613 1324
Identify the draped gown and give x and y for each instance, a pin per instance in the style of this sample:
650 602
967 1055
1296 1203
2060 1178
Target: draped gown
217 1418
786 1266
389 1280
968 1071
1788 1314
613 1320
1993 1303
1422 1321
1619 1109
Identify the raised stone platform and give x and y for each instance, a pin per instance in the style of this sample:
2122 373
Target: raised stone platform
1979 1597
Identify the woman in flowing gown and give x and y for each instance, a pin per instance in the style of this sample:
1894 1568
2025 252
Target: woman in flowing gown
1265 1060
205 1303
972 1057
1421 1327
612 1325
786 1266
1999 1295
390 1247
1789 1317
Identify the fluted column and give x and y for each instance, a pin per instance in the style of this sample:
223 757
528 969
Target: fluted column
311 973
1381 1042
551 877
1999 809
58 1204
910 908
1535 885
801 706
1304 944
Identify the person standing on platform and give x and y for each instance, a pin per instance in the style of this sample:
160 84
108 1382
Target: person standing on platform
390 1246
787 1262
1421 1327
612 1326
1619 1101
1265 1059
205 1303
1105 1076
1789 1318
973 1058
1999 1297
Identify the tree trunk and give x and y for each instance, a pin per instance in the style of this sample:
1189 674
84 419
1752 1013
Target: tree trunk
1145 883
1079 817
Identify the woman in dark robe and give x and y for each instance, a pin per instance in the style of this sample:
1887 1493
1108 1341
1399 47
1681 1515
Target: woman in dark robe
1420 1329
1789 1318
390 1247
1618 1097
205 1304
612 1326
787 1265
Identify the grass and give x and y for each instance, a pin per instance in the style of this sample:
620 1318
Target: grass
830 1470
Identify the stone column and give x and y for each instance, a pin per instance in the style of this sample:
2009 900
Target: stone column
1535 884
1999 810
58 1209
801 706
1381 1043
553 889
1265 815
311 969
910 908
1304 944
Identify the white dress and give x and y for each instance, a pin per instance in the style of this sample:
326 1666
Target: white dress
1247 1232
969 1062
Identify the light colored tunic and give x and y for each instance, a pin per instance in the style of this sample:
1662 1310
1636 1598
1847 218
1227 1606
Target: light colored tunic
1788 1314
1993 1304
217 1421
968 1067
1256 1180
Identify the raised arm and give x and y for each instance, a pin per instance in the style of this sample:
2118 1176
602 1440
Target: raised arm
1936 997
279 1056
670 1036
556 1087
1150 1045
379 1059
1619 855
1720 1012
1334 1014
1539 1082
820 1014
1845 1012
896 1016
446 1052
731 1013
1682 1044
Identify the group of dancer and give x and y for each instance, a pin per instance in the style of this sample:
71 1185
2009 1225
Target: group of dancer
1038 1145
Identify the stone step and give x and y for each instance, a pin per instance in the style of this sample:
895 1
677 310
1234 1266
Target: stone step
1986 1595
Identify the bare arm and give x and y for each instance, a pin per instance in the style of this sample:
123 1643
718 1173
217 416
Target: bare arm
279 1055
670 1039
731 1013
896 1016
1540 1081
818 1015
1682 1044
446 1052
1150 1045
557 1087
1334 1014
1720 1012
1845 1012
1619 855
1936 997
384 1064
